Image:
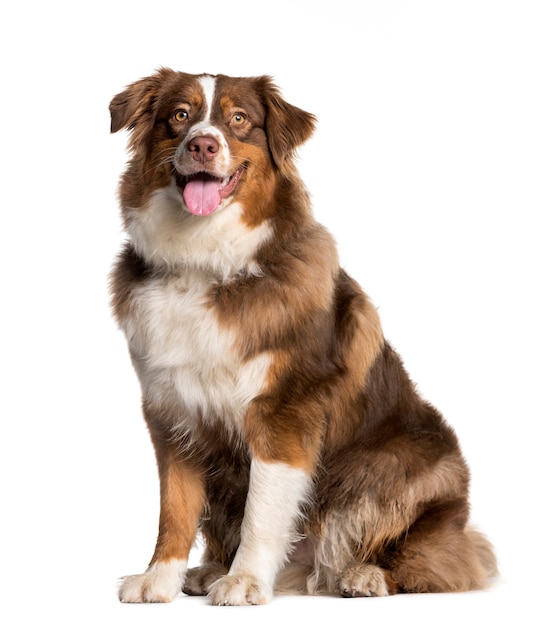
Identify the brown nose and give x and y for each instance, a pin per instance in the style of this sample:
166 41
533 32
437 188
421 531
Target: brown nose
203 148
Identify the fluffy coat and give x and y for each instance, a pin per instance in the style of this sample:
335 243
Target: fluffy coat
285 427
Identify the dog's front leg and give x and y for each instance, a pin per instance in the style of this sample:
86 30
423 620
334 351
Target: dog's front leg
181 500
276 492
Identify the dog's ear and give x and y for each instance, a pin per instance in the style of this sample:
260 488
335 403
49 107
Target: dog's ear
287 126
133 108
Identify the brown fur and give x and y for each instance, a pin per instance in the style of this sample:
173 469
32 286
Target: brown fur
388 510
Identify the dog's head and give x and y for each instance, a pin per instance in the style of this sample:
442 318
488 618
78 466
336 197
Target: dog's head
208 133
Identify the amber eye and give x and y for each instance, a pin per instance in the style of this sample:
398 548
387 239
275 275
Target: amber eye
181 115
238 119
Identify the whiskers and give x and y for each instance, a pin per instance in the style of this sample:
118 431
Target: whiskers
247 164
165 157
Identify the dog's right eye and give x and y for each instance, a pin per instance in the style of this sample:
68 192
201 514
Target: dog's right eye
181 115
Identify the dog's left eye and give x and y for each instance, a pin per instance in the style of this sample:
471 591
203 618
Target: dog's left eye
181 115
238 119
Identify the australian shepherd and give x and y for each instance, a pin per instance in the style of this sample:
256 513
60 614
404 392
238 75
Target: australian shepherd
286 429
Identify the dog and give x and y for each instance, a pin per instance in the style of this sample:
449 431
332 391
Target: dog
285 427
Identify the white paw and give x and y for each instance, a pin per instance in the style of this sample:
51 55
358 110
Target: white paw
239 590
160 583
363 580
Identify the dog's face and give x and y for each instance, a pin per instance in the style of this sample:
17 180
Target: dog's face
219 138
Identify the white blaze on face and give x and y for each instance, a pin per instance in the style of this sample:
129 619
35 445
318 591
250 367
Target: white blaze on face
204 192
208 87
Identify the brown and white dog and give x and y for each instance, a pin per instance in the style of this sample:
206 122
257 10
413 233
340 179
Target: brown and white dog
285 426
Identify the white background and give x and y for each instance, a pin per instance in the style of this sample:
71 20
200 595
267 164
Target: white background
423 169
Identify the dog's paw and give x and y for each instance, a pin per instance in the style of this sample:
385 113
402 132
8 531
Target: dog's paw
364 580
200 579
239 590
160 583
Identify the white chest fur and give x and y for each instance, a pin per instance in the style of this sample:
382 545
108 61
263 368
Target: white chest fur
165 234
185 360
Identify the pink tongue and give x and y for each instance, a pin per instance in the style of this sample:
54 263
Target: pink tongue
202 196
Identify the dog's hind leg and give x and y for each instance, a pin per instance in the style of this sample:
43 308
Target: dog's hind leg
436 552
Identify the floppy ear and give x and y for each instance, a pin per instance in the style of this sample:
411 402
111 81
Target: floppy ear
134 107
287 126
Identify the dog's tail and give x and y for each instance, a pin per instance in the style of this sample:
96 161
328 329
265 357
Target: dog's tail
485 552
